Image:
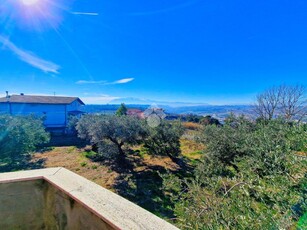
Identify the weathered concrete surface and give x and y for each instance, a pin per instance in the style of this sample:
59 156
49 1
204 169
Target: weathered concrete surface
22 205
38 205
56 198
63 212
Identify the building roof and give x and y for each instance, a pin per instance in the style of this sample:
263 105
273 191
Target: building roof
30 99
135 112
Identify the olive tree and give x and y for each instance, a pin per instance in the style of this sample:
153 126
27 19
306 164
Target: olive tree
19 136
164 140
249 178
226 143
111 133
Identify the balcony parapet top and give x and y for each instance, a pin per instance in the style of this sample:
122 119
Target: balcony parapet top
110 207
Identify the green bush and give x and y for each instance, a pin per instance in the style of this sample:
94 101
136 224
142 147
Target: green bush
19 136
164 140
249 178
72 123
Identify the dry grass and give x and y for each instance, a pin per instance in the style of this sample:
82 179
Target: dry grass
191 149
107 175
192 125
73 158
161 161
304 154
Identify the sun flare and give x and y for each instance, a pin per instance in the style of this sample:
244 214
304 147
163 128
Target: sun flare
29 2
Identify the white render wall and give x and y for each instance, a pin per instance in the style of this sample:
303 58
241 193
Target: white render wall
54 115
74 106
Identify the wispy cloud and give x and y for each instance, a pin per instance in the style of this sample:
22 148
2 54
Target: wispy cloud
121 81
82 82
85 13
30 58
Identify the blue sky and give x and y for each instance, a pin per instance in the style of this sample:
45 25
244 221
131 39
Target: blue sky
218 52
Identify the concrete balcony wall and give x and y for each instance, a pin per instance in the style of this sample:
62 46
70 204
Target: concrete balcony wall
38 205
22 205
56 198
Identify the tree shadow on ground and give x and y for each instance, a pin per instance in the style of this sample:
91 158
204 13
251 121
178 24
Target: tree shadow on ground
144 188
21 164
66 140
142 183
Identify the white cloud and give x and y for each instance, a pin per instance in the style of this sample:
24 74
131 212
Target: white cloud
85 13
121 81
82 82
30 58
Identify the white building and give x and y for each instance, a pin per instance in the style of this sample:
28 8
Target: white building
55 110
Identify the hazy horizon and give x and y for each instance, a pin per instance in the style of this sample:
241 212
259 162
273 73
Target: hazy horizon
133 101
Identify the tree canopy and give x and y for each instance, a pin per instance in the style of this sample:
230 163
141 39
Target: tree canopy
111 133
164 140
249 178
122 110
19 136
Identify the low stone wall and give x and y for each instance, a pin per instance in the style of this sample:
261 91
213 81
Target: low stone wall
56 198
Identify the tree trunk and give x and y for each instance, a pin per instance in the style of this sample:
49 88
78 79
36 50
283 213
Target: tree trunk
121 156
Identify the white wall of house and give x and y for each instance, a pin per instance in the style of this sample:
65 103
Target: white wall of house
54 115
4 108
74 106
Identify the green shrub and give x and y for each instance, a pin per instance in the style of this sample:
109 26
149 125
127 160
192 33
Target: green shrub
249 178
89 154
164 140
94 167
19 136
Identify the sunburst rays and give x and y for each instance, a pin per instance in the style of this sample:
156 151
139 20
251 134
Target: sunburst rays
32 14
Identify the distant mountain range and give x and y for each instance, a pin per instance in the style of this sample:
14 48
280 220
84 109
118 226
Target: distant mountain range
139 101
218 111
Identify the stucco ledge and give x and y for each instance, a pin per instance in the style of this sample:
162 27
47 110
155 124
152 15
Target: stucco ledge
110 207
